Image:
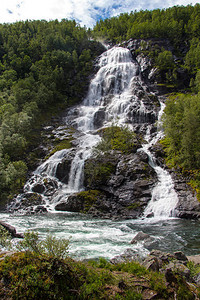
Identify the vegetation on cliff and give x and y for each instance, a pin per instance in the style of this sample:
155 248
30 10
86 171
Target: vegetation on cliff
43 66
178 25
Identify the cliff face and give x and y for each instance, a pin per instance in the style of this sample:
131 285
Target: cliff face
116 184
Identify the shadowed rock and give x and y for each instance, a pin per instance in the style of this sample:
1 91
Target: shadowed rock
12 230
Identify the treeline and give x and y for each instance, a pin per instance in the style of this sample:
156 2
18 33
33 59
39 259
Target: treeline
182 130
180 25
42 65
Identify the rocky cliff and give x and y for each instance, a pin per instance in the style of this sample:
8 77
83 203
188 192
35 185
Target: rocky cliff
114 183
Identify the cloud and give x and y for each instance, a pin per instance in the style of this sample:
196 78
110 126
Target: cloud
86 12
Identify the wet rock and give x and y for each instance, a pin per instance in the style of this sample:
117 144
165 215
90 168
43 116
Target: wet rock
125 180
12 230
40 209
140 236
38 188
99 118
63 170
26 203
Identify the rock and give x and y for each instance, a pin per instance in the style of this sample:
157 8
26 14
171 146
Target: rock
169 276
140 236
179 255
128 255
40 209
11 230
26 203
177 268
99 118
126 184
148 294
194 258
63 170
151 263
38 188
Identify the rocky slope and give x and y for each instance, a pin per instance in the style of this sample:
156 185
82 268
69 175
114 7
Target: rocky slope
116 184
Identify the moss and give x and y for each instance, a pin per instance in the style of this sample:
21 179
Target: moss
89 198
117 138
64 144
133 206
98 171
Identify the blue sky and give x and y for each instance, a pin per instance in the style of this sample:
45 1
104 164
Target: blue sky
86 12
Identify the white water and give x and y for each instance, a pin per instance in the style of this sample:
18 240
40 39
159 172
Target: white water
164 198
112 93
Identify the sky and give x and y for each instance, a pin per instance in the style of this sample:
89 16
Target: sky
85 12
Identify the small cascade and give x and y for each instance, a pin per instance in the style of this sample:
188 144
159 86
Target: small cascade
164 198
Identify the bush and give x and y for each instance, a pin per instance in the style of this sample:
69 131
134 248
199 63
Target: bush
116 138
51 246
5 238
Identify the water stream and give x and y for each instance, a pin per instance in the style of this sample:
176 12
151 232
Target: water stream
113 97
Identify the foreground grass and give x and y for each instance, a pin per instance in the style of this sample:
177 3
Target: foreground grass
27 275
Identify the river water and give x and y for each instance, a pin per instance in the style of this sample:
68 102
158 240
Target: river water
93 238
112 97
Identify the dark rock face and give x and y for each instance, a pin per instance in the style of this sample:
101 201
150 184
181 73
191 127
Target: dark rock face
63 169
29 203
188 206
124 189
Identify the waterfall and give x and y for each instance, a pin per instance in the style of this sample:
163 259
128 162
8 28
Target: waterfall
113 97
164 198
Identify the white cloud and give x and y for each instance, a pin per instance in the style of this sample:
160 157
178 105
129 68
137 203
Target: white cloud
84 11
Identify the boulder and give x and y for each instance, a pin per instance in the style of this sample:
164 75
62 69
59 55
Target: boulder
179 255
128 255
140 236
12 230
151 263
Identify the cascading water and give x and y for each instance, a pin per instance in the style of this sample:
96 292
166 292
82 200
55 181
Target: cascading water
115 96
110 100
164 198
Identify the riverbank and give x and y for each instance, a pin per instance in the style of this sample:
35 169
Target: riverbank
160 276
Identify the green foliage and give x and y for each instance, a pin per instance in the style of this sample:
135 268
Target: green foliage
132 267
88 199
64 144
30 276
194 268
182 129
98 171
5 238
43 65
116 138
183 291
50 246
